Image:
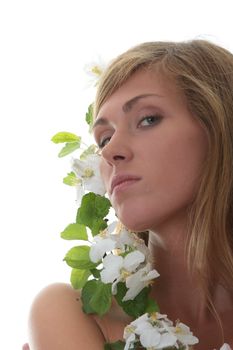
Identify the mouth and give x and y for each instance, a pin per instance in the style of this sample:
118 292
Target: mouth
122 181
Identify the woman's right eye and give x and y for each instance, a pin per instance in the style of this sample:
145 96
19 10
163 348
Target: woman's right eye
104 142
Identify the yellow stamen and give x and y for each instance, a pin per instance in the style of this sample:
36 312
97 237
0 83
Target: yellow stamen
119 228
88 172
125 273
103 233
153 316
117 251
96 70
178 330
150 283
129 329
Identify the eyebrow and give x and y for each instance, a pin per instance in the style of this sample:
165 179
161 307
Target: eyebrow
126 108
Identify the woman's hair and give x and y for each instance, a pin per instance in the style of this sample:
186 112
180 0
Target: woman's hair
204 72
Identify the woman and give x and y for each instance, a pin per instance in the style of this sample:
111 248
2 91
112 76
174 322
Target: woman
164 124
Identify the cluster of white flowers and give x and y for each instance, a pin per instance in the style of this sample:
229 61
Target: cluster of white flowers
157 332
125 258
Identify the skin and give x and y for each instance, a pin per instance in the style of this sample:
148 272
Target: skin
157 139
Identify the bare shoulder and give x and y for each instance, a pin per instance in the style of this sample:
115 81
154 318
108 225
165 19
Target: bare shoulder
57 322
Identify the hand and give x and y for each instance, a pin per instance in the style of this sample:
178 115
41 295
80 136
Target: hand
25 347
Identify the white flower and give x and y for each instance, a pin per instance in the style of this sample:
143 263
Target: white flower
184 335
100 248
132 330
152 338
88 173
116 268
104 243
114 237
121 235
139 280
149 332
126 239
94 70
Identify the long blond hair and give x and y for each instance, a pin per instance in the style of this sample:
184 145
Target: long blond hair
204 72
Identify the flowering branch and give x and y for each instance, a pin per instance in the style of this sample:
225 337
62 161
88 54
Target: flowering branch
111 261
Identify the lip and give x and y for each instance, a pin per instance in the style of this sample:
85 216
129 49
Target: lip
121 179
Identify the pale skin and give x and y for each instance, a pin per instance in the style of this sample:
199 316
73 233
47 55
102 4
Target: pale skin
144 129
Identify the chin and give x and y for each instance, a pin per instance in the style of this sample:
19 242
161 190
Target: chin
133 222
136 227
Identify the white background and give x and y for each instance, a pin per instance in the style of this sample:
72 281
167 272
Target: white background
44 46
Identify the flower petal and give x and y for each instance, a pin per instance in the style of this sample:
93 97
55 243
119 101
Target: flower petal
112 265
151 275
94 184
133 260
141 319
98 250
150 338
79 194
166 341
184 335
225 347
130 339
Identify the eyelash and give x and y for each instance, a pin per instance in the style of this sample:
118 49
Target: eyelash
102 143
156 119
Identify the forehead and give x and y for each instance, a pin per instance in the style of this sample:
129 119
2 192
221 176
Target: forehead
142 83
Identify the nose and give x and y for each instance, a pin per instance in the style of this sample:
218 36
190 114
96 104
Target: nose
117 150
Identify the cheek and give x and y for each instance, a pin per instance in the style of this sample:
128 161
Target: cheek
172 178
180 166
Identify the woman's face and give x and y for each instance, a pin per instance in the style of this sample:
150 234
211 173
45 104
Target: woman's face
153 151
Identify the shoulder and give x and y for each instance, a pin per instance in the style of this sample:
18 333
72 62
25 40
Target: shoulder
56 321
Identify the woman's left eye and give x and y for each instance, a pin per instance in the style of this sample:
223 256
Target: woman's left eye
150 120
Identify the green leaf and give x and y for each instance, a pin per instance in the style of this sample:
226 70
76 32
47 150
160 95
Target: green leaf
118 345
96 297
92 211
102 206
86 295
98 225
78 257
135 307
65 136
75 231
89 116
90 150
71 179
69 148
95 273
78 278
102 298
151 306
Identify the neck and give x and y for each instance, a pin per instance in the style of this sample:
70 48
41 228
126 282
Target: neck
177 292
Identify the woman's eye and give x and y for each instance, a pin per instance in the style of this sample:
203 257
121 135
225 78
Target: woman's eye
150 120
104 142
